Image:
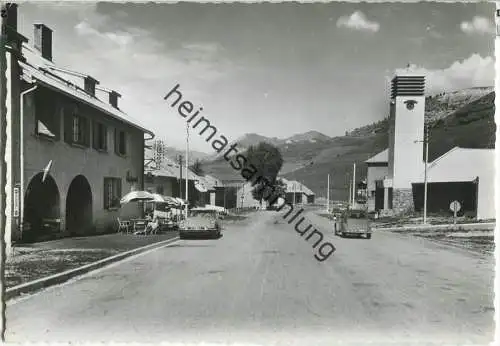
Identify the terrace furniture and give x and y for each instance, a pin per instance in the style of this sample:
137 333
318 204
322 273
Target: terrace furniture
124 226
139 225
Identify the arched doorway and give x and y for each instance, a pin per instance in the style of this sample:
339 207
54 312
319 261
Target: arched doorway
41 208
79 206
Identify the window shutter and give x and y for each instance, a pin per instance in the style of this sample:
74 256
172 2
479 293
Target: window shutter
68 126
116 141
105 137
119 188
106 192
95 134
86 131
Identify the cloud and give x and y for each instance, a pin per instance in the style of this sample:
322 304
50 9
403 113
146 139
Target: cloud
474 71
478 25
358 21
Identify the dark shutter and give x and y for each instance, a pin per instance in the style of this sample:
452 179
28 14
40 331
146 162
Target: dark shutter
95 134
118 191
68 126
104 137
123 143
116 141
86 131
106 190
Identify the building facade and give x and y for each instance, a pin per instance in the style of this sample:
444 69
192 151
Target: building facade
77 154
395 178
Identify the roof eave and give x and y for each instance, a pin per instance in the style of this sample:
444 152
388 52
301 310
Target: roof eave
34 79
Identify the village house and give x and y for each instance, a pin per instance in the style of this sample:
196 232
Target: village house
298 193
165 179
73 155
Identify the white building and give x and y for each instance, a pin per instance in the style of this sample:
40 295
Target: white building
395 176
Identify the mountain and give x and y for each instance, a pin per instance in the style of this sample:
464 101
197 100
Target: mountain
249 139
310 136
464 118
173 153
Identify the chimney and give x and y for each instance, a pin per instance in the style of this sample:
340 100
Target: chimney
113 98
89 85
43 40
10 15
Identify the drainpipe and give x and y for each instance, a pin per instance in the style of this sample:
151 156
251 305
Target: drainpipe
21 206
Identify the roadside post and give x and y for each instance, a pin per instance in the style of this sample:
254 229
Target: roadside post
455 208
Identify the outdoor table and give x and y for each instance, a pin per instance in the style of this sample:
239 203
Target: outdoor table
139 225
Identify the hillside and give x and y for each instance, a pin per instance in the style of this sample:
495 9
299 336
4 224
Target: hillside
469 124
173 153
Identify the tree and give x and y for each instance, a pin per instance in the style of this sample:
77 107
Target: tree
264 190
263 161
197 168
263 164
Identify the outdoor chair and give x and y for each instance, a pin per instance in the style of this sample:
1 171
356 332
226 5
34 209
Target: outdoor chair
124 226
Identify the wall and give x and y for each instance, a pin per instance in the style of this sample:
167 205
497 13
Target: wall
406 145
155 183
70 161
374 173
247 201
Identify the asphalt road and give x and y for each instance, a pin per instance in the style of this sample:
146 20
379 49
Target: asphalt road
260 283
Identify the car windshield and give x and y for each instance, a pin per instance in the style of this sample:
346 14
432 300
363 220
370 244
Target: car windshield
203 213
356 214
162 207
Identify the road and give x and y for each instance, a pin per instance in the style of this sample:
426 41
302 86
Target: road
260 283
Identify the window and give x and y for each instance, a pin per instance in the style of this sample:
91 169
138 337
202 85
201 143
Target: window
100 137
159 190
112 192
47 116
76 128
120 142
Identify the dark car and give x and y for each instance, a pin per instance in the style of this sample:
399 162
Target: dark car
353 223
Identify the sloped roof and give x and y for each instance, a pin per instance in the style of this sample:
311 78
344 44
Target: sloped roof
40 70
171 169
293 185
461 164
382 157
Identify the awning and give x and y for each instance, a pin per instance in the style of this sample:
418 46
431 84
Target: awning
200 187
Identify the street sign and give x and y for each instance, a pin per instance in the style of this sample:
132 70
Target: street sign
455 206
16 202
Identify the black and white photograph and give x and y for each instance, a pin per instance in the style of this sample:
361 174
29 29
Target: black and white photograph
280 173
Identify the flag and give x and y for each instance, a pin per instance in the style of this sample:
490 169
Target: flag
46 171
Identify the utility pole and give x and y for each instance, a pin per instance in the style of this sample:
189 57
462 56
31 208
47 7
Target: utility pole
187 164
426 141
328 194
350 192
179 158
354 184
426 162
3 143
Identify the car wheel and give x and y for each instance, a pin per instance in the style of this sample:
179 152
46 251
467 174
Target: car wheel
368 236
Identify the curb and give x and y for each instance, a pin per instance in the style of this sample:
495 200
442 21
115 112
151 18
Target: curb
59 278
457 227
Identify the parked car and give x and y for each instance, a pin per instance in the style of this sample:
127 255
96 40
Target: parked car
201 223
353 223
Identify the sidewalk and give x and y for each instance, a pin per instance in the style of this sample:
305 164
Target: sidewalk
34 261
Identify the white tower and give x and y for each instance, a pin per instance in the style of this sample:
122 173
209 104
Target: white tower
406 132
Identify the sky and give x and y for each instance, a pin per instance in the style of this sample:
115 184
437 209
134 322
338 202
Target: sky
272 69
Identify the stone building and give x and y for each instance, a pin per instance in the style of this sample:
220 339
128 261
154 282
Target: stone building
73 155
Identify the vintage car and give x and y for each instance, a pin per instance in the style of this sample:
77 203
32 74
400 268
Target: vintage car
352 223
200 223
